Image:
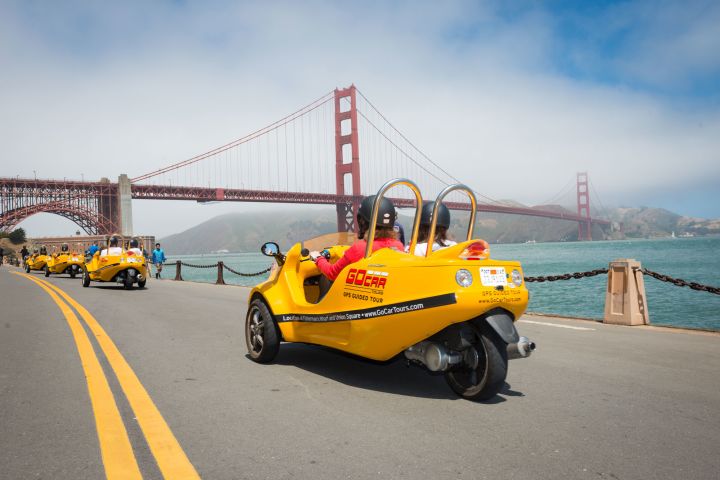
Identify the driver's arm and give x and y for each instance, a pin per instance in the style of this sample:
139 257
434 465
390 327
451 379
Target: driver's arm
352 255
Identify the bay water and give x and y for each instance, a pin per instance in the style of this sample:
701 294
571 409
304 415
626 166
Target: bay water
692 259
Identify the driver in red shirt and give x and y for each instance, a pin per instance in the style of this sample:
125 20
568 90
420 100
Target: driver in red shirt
384 237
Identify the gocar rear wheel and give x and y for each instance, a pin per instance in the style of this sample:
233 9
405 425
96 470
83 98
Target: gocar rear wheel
485 368
261 333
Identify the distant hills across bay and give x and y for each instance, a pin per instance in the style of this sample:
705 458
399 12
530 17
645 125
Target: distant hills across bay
245 232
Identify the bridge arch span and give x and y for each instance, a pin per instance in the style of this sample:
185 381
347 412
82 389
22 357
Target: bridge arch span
93 206
82 218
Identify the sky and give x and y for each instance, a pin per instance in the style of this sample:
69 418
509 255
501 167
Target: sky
511 97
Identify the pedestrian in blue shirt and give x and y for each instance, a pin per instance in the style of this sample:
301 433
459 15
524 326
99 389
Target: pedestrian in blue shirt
93 248
158 258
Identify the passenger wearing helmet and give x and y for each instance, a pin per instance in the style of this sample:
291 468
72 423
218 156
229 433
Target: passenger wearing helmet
64 247
113 249
441 227
135 247
384 237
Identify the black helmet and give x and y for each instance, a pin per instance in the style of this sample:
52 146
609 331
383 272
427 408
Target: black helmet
114 241
134 243
386 212
443 215
64 247
43 250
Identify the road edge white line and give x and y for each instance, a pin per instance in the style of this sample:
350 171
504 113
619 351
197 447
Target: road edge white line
556 325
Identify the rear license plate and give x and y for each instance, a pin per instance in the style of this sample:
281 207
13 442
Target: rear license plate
493 276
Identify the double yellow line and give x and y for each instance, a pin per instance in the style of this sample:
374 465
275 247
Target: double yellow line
117 454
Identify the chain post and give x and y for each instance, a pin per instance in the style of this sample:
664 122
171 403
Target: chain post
625 299
178 271
220 278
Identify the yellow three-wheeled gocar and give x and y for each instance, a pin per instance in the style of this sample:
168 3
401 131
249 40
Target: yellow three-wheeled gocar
65 261
451 311
37 260
117 264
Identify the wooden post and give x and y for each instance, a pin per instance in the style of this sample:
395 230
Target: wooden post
625 300
178 271
220 278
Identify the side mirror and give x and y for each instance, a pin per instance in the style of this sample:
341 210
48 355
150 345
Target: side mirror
270 249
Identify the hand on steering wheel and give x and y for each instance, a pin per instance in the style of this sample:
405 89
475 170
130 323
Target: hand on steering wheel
315 254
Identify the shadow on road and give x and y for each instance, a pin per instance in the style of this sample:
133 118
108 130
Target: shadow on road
388 377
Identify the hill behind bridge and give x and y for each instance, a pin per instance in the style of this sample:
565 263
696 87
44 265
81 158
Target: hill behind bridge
245 232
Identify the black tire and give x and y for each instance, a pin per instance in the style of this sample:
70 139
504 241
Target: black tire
47 271
72 273
261 333
27 268
141 283
487 378
128 282
85 278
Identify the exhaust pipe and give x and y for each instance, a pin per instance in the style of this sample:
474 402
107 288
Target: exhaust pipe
522 349
433 355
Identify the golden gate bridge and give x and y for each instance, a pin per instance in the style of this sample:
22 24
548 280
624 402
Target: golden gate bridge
288 161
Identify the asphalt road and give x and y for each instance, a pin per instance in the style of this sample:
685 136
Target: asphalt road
594 401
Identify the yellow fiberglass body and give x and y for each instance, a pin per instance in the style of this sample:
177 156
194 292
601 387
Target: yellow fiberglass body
71 263
385 303
451 311
118 265
36 262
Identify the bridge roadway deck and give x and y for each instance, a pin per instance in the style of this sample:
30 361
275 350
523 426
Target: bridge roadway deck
595 401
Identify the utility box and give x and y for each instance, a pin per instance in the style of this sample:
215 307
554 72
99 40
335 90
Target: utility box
625 300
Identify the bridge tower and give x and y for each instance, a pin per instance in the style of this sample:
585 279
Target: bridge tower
347 163
583 207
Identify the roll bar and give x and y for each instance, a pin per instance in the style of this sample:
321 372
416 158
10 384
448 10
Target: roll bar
121 240
436 206
376 205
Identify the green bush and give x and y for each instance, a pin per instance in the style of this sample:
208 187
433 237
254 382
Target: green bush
17 236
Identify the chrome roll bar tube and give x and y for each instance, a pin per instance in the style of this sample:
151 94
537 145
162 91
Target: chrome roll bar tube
376 205
436 207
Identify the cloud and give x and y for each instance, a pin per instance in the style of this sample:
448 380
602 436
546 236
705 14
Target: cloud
104 89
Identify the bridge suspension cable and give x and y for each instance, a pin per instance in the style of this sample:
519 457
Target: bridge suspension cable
394 138
283 122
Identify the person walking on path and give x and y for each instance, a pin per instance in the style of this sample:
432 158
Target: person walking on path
1 255
24 254
158 258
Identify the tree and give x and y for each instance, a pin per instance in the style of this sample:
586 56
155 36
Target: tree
17 236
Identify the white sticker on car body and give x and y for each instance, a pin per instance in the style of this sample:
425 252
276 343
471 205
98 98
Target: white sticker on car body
493 276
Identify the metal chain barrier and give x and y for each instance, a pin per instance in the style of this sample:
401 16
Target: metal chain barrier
567 276
246 274
214 265
659 276
680 283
